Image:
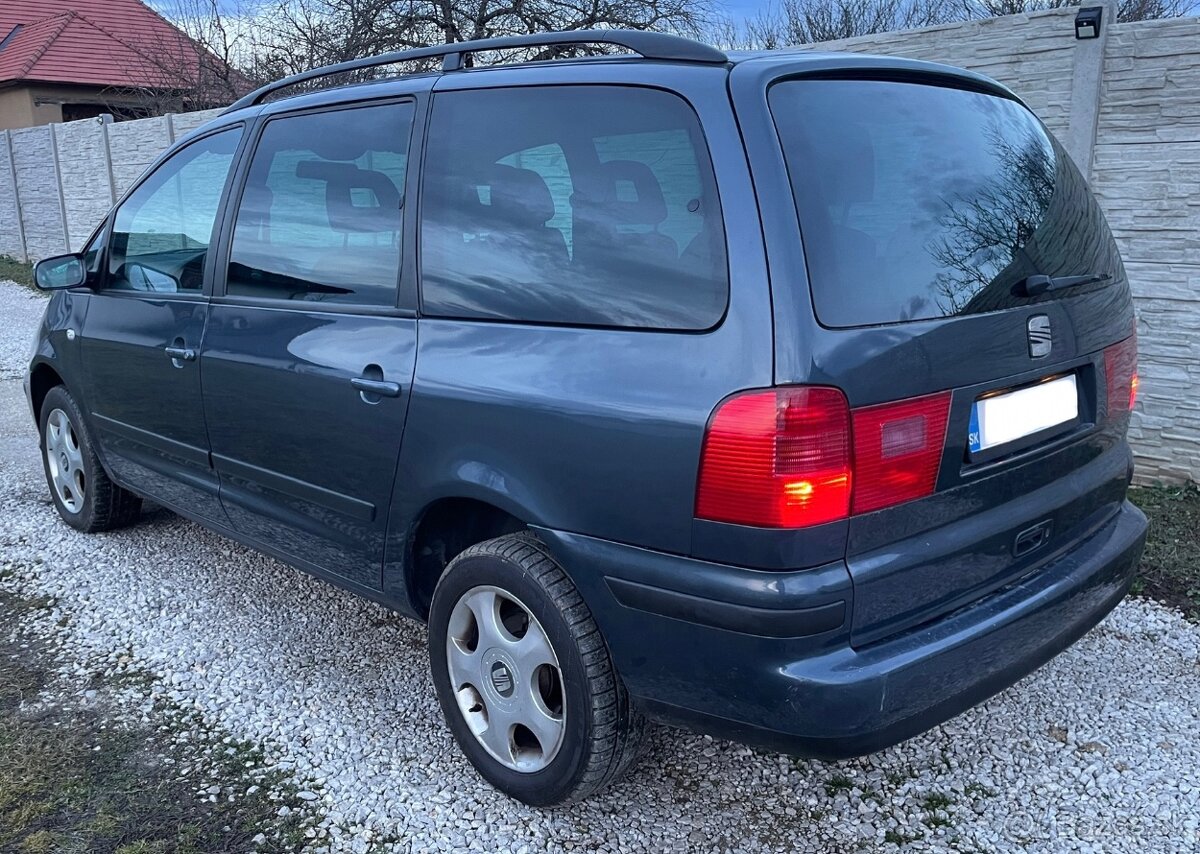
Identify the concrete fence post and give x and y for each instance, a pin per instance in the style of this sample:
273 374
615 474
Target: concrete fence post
62 191
1087 83
106 123
23 252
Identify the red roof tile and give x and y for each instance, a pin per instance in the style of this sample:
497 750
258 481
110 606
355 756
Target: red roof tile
93 42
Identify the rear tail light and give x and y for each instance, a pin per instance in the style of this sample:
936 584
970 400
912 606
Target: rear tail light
897 451
785 458
778 458
1121 376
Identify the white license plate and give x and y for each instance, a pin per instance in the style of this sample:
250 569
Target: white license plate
1008 417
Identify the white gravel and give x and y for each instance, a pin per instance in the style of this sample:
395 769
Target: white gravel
1098 751
20 312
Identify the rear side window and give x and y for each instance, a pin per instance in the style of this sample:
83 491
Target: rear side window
921 201
320 217
591 205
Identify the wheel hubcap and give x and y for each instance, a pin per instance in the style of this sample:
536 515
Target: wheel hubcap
506 678
65 461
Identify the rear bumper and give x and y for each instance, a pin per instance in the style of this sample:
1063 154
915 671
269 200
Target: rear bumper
765 657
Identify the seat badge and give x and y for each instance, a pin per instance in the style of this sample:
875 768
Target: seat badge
1040 339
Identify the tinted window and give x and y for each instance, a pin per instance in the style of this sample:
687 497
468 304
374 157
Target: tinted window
162 231
923 201
320 216
572 204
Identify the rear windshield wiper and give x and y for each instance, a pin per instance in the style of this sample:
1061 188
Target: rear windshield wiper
1033 286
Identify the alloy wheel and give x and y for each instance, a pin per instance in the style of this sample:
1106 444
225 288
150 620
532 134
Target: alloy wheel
65 461
506 678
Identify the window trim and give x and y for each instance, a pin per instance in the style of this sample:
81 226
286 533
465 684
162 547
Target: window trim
220 294
110 221
521 86
100 232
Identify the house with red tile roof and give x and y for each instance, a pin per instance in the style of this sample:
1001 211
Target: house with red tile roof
62 60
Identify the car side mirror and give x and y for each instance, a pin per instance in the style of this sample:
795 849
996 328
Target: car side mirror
59 272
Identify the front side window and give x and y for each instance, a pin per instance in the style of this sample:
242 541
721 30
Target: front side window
320 217
161 233
588 205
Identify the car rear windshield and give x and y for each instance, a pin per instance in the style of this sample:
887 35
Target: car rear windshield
922 201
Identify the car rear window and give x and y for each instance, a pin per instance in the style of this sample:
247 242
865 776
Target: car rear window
923 201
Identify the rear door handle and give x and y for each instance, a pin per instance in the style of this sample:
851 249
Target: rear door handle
384 388
187 354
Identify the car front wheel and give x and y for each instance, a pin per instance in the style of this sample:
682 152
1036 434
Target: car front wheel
81 490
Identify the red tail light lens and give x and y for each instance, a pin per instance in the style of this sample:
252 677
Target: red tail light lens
1120 370
778 458
783 458
898 450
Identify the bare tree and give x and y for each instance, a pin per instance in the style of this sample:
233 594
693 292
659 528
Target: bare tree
808 21
236 43
206 60
302 33
794 22
983 229
1127 10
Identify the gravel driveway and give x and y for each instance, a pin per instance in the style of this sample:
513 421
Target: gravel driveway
1099 750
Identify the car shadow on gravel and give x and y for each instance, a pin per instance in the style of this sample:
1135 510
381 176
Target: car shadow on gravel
79 772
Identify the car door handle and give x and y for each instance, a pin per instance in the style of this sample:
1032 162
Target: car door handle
187 354
380 387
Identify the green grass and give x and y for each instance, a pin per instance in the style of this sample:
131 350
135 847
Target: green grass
936 801
974 789
77 779
838 783
12 269
1170 569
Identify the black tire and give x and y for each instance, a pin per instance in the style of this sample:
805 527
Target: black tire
602 730
104 505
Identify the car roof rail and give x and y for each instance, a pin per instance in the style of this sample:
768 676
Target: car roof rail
649 45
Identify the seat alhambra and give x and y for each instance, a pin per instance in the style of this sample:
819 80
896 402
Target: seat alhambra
782 396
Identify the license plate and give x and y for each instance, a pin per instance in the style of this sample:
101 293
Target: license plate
1006 418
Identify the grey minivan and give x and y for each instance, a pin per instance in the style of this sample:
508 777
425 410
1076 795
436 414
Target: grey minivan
782 396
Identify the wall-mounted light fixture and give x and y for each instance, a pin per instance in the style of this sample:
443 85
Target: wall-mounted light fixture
1087 22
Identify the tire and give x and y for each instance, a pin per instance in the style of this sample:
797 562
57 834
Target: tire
81 490
599 731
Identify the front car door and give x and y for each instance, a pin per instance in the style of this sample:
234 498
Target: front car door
308 357
145 324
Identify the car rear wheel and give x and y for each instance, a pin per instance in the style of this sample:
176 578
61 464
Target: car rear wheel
81 490
524 677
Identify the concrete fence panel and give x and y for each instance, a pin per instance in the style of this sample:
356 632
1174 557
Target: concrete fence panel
35 164
184 123
1146 174
84 176
135 145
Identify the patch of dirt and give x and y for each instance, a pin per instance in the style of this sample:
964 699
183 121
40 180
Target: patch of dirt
79 774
